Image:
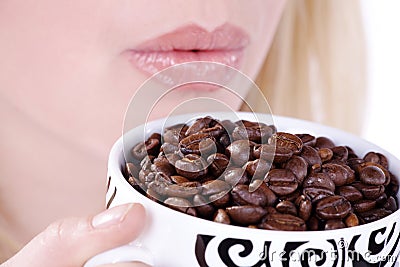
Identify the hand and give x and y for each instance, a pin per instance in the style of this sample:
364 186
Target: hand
71 242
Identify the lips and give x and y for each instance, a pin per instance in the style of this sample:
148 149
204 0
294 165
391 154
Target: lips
225 45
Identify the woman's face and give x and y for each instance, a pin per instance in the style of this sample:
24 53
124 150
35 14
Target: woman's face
73 65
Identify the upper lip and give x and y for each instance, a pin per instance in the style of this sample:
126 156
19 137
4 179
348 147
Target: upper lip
193 38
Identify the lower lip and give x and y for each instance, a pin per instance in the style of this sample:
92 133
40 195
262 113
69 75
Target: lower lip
151 62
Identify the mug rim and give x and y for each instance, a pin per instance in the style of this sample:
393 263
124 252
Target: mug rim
115 167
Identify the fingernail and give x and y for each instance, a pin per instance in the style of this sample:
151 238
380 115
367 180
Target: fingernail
111 216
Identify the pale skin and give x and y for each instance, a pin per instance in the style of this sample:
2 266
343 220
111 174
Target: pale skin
65 84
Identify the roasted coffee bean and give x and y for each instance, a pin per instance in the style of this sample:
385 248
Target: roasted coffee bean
181 191
376 157
364 205
288 140
234 176
199 143
319 180
370 191
271 198
247 214
177 179
284 222
340 153
390 204
381 200
174 134
286 207
221 216
339 174
334 224
307 139
374 214
257 169
239 151
220 200
351 220
333 207
255 133
393 186
203 208
311 155
304 207
215 186
351 193
372 175
281 181
192 166
242 196
162 164
313 224
198 125
217 164
298 166
317 193
325 154
149 147
293 182
324 142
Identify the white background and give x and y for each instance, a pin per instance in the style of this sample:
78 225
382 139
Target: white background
382 26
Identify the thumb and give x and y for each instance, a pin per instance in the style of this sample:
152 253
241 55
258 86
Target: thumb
71 242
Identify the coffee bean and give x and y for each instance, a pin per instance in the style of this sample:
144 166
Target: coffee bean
369 191
372 175
340 153
288 140
298 166
257 169
333 207
311 156
351 220
324 142
281 181
307 139
245 215
338 173
235 176
217 164
149 147
284 222
319 180
203 208
304 207
221 216
334 224
286 207
376 157
390 204
198 125
364 205
192 166
325 154
239 151
215 186
293 182
349 192
242 196
220 200
374 214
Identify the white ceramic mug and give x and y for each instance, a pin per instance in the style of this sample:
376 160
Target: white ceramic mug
174 239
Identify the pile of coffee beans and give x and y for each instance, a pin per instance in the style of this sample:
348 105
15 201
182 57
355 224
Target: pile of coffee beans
247 174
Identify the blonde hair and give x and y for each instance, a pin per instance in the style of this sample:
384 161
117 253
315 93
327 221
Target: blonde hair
316 69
